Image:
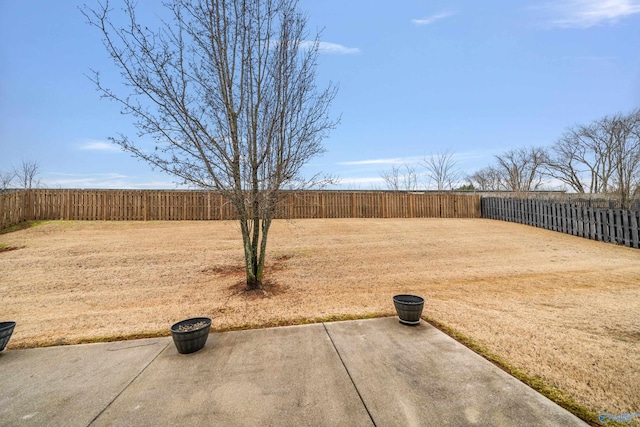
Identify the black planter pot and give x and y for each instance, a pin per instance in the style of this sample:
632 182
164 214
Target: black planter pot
6 329
409 308
190 341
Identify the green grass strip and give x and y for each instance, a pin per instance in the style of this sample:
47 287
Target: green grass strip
22 226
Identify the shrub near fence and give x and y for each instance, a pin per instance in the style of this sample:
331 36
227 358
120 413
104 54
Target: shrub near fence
608 225
143 205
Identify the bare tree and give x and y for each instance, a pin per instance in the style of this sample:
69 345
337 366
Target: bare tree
634 126
27 174
487 179
521 169
625 130
226 89
442 169
567 162
6 178
516 170
391 178
600 157
403 177
582 158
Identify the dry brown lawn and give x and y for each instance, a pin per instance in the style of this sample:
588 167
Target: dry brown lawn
561 308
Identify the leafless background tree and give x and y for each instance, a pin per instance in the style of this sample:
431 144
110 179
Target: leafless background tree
486 179
625 132
26 175
226 89
399 178
6 178
442 170
600 157
521 169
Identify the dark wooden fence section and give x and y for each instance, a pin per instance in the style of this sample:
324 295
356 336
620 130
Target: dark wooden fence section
144 205
576 218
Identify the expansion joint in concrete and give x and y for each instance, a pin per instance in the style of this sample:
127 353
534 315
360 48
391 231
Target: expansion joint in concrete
128 384
349 374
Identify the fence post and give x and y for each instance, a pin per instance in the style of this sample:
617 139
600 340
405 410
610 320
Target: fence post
612 226
494 211
585 222
626 227
506 212
532 212
634 230
592 223
29 205
323 201
353 205
411 205
618 223
497 209
605 225
144 206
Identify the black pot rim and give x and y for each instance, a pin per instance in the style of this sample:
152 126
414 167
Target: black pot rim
175 326
408 299
7 325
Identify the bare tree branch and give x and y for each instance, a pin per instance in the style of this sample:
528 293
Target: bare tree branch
399 178
227 92
442 169
520 170
27 174
600 157
392 178
487 179
6 178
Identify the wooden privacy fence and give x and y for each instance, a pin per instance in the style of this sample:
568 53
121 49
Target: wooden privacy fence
608 225
143 205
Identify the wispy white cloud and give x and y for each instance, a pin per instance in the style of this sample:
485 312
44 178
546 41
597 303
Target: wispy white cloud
331 48
105 181
363 183
96 145
431 19
390 161
362 180
588 13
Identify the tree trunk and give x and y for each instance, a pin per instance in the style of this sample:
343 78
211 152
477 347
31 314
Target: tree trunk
254 281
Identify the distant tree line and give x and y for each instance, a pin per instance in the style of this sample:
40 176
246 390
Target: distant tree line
601 157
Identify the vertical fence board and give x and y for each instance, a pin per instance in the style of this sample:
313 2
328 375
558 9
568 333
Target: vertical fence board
635 243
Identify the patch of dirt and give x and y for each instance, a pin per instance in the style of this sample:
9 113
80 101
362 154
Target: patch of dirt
234 270
269 289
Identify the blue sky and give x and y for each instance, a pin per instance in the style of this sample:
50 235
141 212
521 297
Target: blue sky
416 78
